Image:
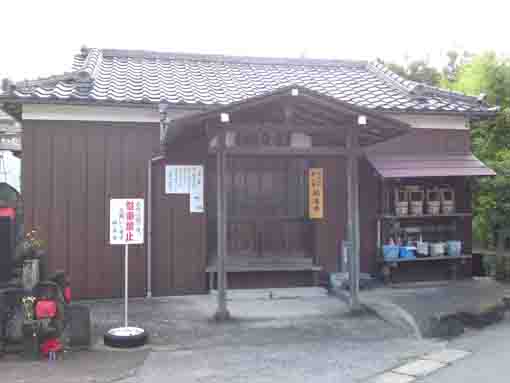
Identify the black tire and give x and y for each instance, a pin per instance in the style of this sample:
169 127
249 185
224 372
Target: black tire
78 329
136 338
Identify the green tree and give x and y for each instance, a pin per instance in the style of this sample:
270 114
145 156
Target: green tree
489 74
418 70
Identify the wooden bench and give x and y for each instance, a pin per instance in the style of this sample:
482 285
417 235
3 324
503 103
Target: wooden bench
235 264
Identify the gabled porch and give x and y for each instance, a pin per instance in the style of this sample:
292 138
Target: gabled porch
264 212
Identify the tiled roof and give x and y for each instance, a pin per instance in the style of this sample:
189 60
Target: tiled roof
444 165
7 123
116 76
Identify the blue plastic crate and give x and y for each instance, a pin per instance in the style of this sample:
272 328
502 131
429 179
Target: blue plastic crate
390 251
407 252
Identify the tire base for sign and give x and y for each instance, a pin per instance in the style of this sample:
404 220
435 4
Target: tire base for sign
125 337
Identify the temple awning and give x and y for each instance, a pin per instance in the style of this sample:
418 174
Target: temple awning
432 165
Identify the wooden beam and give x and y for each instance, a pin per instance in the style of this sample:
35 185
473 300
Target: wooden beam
353 215
288 151
222 311
318 112
276 126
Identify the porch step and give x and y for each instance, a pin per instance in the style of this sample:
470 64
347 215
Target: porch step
244 264
276 293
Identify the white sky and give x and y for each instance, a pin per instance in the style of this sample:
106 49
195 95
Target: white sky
39 37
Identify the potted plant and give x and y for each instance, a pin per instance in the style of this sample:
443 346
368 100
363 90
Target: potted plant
32 246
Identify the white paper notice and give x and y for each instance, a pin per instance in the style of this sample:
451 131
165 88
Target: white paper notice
186 179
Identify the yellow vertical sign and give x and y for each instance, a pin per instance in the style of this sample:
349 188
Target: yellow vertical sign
315 193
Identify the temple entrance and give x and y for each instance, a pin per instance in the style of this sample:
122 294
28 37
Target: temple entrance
266 205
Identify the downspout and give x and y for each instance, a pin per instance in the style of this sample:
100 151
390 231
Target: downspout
162 131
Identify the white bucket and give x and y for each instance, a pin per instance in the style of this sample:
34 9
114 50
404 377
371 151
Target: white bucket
433 207
416 207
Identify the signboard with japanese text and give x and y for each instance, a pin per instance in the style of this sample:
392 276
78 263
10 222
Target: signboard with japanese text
315 193
186 179
126 221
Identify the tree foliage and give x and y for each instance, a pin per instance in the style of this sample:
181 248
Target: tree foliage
418 70
489 74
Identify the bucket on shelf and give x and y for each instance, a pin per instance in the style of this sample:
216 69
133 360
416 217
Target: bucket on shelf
454 248
437 249
407 252
422 248
390 252
401 201
416 199
447 200
433 201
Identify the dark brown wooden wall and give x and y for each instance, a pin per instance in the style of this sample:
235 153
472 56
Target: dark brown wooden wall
426 141
179 251
70 170
331 230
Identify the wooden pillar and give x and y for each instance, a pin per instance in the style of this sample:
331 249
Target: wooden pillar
222 311
352 144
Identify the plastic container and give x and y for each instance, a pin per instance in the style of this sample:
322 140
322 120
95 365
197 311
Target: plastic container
422 248
437 249
447 200
454 248
416 199
390 251
407 252
401 201
433 201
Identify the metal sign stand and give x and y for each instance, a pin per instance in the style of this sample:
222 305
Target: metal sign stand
126 284
126 226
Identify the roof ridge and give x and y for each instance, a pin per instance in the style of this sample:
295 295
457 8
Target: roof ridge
386 74
417 89
81 74
92 61
226 58
425 89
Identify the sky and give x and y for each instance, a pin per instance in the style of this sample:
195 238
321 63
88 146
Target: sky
39 38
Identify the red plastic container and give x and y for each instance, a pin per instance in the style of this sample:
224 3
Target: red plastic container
45 309
67 294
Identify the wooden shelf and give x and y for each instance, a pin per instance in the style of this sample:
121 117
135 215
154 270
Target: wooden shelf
421 259
425 216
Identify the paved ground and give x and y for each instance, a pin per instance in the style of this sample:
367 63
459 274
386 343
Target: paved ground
293 338
78 367
424 302
488 362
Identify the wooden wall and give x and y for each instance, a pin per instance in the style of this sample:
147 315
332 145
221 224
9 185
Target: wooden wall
179 251
70 170
331 230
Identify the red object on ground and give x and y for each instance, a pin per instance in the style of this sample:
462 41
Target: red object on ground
67 294
8 212
51 345
45 309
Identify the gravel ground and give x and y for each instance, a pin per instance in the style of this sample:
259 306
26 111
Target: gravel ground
309 338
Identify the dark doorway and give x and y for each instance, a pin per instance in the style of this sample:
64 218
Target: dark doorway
266 199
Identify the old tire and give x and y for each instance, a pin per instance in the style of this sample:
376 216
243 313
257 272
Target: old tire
125 337
78 326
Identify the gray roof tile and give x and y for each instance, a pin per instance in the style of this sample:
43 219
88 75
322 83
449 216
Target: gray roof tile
151 77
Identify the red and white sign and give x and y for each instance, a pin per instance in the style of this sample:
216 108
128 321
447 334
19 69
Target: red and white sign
126 221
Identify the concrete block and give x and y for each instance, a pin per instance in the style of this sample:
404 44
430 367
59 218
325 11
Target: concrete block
391 377
419 368
447 355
